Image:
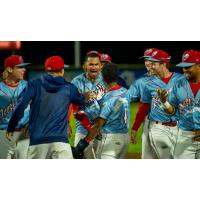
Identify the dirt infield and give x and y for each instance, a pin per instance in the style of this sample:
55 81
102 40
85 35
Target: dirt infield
133 156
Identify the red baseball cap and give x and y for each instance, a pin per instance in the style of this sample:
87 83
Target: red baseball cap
189 58
93 52
159 56
54 63
14 61
148 52
105 58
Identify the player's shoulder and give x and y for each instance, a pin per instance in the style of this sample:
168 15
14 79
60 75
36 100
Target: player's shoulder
78 78
178 75
181 81
23 82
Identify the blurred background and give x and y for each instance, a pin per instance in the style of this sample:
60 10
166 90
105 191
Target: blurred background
124 53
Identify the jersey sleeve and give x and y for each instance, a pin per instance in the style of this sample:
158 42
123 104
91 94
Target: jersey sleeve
134 92
76 97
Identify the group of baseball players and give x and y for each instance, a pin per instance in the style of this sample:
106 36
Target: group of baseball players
35 115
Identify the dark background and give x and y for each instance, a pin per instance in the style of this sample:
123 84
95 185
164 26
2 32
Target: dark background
122 52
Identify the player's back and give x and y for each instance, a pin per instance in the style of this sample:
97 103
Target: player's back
49 106
115 109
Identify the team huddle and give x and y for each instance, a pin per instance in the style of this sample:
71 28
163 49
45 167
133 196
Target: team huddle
35 115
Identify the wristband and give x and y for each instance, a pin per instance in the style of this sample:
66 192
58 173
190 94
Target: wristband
166 105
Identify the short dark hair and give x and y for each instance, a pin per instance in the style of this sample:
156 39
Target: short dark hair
110 72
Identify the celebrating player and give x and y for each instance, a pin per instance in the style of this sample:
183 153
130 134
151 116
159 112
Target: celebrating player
11 88
49 97
90 81
162 127
185 97
136 92
113 120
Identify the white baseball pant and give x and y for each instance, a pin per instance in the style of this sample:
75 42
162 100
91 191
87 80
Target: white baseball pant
185 147
54 150
147 150
163 139
113 146
17 148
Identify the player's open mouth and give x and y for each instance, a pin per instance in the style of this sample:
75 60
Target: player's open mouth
94 72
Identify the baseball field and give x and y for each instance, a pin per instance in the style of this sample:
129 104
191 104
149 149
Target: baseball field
134 149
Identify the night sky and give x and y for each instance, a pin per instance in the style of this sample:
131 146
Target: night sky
122 52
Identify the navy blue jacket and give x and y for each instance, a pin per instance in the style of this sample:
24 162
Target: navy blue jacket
49 99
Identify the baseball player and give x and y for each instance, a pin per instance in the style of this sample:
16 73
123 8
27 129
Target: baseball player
49 97
136 92
162 127
11 88
105 58
90 81
185 97
113 120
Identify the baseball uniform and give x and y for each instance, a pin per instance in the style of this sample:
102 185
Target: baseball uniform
136 92
49 97
115 109
188 107
91 109
162 127
18 147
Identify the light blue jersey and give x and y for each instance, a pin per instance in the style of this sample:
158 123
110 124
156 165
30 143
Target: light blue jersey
92 109
8 102
136 90
188 106
150 90
115 109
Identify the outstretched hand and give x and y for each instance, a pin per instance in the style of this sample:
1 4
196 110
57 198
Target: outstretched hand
162 95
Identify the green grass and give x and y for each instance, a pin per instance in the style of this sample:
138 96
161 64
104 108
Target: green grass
133 148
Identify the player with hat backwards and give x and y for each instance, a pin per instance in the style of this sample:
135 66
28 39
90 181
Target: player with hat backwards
185 98
49 97
11 88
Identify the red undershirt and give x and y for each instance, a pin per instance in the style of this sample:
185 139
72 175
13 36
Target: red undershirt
194 87
166 80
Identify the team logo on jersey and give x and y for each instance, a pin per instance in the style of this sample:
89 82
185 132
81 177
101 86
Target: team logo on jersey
7 110
100 91
186 56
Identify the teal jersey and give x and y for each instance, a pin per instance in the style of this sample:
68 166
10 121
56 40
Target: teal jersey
115 109
187 104
8 101
136 90
157 112
92 109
